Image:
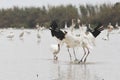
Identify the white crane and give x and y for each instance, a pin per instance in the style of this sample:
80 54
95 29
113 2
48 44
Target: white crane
21 35
10 35
72 26
73 41
109 30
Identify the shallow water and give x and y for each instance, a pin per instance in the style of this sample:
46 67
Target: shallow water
32 59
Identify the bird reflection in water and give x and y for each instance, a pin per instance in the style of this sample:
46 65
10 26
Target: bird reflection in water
73 72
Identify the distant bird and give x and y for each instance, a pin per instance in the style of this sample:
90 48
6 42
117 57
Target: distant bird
37 25
78 21
109 30
55 49
1 31
21 35
72 26
73 41
66 25
116 25
11 35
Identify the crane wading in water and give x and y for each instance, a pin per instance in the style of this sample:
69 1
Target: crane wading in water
73 41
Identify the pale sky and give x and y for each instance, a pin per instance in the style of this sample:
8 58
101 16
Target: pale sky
39 3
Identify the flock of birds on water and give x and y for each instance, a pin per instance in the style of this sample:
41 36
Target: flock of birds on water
11 33
85 39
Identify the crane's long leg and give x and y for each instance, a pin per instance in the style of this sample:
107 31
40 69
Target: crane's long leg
87 55
74 54
70 55
83 55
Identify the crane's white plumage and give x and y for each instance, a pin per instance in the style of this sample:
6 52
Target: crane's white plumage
86 36
71 41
